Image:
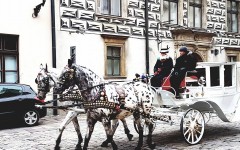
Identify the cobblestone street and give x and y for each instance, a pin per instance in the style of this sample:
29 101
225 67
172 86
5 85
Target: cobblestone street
218 135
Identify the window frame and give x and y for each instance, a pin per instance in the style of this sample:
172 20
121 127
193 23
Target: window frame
122 8
230 58
8 52
112 58
195 5
169 11
115 41
231 52
232 12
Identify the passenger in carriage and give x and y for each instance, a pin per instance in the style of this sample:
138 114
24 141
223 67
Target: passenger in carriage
162 68
185 62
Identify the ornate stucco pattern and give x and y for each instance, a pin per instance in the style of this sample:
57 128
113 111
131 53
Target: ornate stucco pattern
82 14
216 15
216 22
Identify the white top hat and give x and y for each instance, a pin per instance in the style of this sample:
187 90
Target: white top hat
164 51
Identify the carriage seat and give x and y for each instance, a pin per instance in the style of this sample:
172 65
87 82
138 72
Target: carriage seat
166 85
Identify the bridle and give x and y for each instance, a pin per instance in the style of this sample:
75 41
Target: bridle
44 83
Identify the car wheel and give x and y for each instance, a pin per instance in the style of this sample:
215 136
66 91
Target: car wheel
30 118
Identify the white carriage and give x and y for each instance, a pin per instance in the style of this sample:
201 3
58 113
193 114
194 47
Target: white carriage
211 90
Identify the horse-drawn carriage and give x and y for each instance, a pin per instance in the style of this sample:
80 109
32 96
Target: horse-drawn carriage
210 90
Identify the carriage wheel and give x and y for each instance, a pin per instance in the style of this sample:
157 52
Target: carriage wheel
207 116
192 126
145 127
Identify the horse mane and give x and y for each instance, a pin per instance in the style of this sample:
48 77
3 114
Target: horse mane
54 73
89 70
86 76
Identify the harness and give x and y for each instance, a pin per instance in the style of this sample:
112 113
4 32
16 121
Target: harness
46 82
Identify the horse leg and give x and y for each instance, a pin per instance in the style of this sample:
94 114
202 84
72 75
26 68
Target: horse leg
137 120
114 127
127 131
69 117
110 132
149 138
77 129
91 123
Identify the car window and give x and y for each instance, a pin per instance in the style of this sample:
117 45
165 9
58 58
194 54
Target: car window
30 90
10 91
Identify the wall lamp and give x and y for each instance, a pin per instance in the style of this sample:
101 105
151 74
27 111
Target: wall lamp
215 52
37 9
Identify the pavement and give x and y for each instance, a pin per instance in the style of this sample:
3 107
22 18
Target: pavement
218 136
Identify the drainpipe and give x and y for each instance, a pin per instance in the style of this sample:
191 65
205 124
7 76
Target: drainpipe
53 47
146 36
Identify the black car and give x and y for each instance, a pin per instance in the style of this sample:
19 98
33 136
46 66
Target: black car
17 101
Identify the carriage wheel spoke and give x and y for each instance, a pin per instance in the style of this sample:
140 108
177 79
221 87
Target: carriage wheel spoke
186 131
196 136
192 135
197 116
189 136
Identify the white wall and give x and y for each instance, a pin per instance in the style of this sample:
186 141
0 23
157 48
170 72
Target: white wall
89 50
135 57
34 34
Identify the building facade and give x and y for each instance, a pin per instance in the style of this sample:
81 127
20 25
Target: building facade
110 36
209 28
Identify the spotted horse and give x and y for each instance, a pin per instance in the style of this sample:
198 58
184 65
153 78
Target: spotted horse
46 81
135 99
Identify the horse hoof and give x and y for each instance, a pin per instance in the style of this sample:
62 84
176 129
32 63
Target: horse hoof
78 147
104 144
114 146
152 145
84 148
130 136
138 148
57 147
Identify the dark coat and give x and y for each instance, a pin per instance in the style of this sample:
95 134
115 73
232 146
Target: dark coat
185 62
166 66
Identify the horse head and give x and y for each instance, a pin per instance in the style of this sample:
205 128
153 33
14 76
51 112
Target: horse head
45 80
73 75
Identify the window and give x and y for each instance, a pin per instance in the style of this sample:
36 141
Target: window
215 76
8 58
227 75
110 7
193 78
170 9
113 61
232 58
114 56
232 15
195 13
